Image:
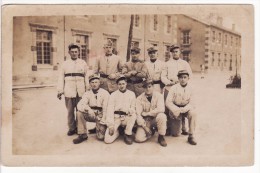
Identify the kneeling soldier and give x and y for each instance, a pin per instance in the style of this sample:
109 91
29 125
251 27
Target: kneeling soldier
150 113
120 111
179 103
92 108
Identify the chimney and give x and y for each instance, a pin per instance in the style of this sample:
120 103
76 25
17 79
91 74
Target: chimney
233 27
219 21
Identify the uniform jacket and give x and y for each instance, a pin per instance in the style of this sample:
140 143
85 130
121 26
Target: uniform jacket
90 99
109 65
179 96
119 101
140 67
154 107
171 69
155 69
73 85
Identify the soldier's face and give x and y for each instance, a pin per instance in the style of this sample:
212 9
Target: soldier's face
176 53
74 53
108 49
148 89
95 83
167 57
122 85
153 55
183 79
135 56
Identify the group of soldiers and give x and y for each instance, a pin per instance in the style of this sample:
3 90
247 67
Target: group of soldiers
134 99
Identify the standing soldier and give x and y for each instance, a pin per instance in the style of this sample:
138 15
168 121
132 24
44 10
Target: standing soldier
135 71
155 67
73 82
167 56
150 113
169 78
120 111
179 102
92 108
109 67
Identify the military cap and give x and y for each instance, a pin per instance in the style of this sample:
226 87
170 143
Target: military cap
152 49
146 82
182 72
120 77
72 46
135 49
93 76
174 46
108 43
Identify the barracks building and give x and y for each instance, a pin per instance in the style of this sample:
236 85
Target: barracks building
40 43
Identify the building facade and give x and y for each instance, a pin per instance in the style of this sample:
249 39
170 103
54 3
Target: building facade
40 43
210 44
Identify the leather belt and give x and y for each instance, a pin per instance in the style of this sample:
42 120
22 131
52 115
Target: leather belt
74 74
157 82
120 113
181 106
134 82
104 75
96 108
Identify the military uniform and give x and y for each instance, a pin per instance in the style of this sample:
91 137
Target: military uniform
73 83
134 82
92 108
108 64
154 72
169 75
120 111
179 103
156 117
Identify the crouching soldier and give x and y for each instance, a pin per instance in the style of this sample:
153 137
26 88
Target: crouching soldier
179 104
150 113
135 71
120 112
92 108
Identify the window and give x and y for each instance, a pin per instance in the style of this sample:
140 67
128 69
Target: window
219 59
111 18
219 37
186 56
83 42
186 37
212 60
236 41
230 65
213 36
168 22
136 20
231 41
134 44
155 22
114 40
225 39
225 60
43 46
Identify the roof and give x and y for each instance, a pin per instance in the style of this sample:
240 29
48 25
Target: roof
209 24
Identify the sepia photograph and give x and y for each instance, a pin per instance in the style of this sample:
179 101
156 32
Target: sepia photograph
128 85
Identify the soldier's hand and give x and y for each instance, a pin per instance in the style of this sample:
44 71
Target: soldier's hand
111 131
133 72
145 114
59 95
112 76
148 131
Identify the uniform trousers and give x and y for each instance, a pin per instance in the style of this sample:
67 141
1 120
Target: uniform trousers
159 121
82 118
127 121
71 105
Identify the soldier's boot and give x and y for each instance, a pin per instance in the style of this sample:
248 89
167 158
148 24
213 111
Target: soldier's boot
191 140
168 132
72 132
92 131
184 132
128 139
162 141
80 138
